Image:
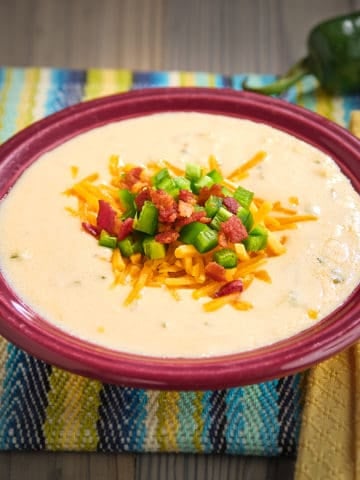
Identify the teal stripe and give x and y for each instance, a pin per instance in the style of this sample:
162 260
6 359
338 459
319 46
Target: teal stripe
237 81
222 81
11 104
256 80
260 419
307 96
235 420
207 422
186 424
269 429
202 79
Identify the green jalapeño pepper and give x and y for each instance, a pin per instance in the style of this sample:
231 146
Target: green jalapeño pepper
333 58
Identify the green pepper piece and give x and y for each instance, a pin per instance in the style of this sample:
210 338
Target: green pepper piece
226 192
169 186
212 205
216 176
206 240
226 258
257 239
333 58
204 181
147 221
190 231
192 172
221 216
129 246
153 249
106 240
182 183
127 203
246 218
243 196
160 176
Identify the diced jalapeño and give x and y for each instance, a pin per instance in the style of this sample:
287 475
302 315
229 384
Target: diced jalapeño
190 231
147 221
106 240
129 246
221 216
257 239
127 203
153 249
226 258
192 172
243 196
246 218
206 240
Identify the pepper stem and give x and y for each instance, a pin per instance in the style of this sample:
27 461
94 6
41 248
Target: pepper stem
292 76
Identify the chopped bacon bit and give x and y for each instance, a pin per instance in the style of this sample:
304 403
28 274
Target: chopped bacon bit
165 204
231 204
141 198
167 237
106 216
124 228
235 286
194 217
187 197
234 230
164 227
185 209
132 176
92 229
205 193
215 271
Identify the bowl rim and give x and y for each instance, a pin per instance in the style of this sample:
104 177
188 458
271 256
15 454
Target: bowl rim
29 331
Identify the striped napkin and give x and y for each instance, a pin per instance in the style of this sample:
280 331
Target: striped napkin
45 408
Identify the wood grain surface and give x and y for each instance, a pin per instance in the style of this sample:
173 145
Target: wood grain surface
227 36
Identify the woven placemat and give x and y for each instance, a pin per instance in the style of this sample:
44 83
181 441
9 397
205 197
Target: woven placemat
45 408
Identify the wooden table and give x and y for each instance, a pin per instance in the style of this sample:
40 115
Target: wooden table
227 36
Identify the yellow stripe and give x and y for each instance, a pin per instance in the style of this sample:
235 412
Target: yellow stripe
54 422
93 84
211 80
168 423
27 98
72 412
124 80
187 79
107 82
199 422
299 87
324 105
151 421
4 94
89 415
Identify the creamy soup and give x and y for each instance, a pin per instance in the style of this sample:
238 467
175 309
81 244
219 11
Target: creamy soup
59 270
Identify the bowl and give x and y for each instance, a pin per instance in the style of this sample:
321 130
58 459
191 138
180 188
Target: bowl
26 329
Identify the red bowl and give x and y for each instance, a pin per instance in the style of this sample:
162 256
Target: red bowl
29 331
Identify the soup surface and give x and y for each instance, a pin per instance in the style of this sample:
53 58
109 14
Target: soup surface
60 271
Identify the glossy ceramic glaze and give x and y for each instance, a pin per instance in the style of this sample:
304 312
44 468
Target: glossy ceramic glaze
25 328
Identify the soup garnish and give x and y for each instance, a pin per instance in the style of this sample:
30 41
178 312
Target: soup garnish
189 228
